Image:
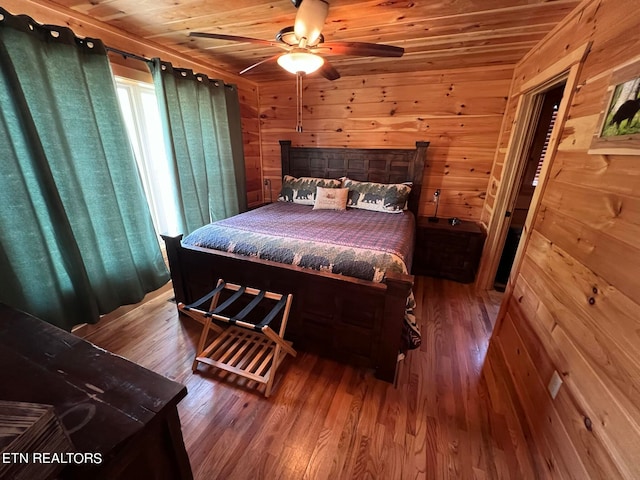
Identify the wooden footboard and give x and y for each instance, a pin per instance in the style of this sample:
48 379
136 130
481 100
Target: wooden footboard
350 320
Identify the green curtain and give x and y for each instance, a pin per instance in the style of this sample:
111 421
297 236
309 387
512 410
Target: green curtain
76 236
203 136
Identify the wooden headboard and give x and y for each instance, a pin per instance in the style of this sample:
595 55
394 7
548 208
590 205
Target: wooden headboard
382 165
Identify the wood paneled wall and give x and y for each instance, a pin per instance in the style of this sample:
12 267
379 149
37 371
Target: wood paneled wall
575 303
458 111
43 11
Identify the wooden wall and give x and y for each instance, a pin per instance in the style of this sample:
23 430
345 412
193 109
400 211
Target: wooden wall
575 306
458 111
43 11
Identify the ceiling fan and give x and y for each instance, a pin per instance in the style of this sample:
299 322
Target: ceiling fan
304 41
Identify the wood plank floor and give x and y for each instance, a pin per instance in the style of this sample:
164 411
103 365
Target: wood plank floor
450 417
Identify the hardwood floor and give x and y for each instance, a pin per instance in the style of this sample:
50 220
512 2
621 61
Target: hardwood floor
450 417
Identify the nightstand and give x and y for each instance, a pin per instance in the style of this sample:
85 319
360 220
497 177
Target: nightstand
447 251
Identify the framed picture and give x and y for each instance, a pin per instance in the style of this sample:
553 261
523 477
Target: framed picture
619 125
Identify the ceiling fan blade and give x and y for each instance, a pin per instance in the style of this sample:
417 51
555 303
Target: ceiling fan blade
234 38
361 49
328 72
310 20
251 67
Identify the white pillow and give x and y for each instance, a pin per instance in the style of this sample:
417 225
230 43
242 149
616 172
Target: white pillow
331 198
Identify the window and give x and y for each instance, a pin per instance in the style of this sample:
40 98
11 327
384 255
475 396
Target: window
140 110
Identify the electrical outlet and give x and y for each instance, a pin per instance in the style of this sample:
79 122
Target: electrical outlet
554 384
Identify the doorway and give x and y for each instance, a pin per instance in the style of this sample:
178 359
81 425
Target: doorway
543 119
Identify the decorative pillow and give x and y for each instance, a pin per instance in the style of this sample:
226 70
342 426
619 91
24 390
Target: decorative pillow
379 197
331 198
302 190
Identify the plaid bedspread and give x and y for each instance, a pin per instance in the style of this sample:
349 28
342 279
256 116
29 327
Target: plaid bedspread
356 243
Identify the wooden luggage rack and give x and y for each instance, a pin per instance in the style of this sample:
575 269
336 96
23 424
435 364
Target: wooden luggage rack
251 349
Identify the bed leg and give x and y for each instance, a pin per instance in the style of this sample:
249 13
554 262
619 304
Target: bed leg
398 288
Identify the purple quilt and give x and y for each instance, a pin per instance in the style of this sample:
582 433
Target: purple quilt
357 243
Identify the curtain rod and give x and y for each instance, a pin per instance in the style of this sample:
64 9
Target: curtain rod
145 59
127 54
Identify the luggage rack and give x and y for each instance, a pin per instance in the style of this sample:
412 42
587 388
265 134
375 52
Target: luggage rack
251 349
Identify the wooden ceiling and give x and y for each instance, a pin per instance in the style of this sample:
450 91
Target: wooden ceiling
436 34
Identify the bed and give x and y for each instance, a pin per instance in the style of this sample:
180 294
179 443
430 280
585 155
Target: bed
355 316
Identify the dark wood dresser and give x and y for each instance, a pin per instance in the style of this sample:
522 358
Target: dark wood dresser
111 408
448 251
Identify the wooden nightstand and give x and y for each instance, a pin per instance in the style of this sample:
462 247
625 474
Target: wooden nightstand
447 251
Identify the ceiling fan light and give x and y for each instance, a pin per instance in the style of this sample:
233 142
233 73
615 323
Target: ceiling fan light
297 61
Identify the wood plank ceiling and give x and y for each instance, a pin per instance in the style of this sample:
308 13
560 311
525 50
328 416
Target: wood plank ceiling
436 34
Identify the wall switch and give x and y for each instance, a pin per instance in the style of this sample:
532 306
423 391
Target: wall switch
554 384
